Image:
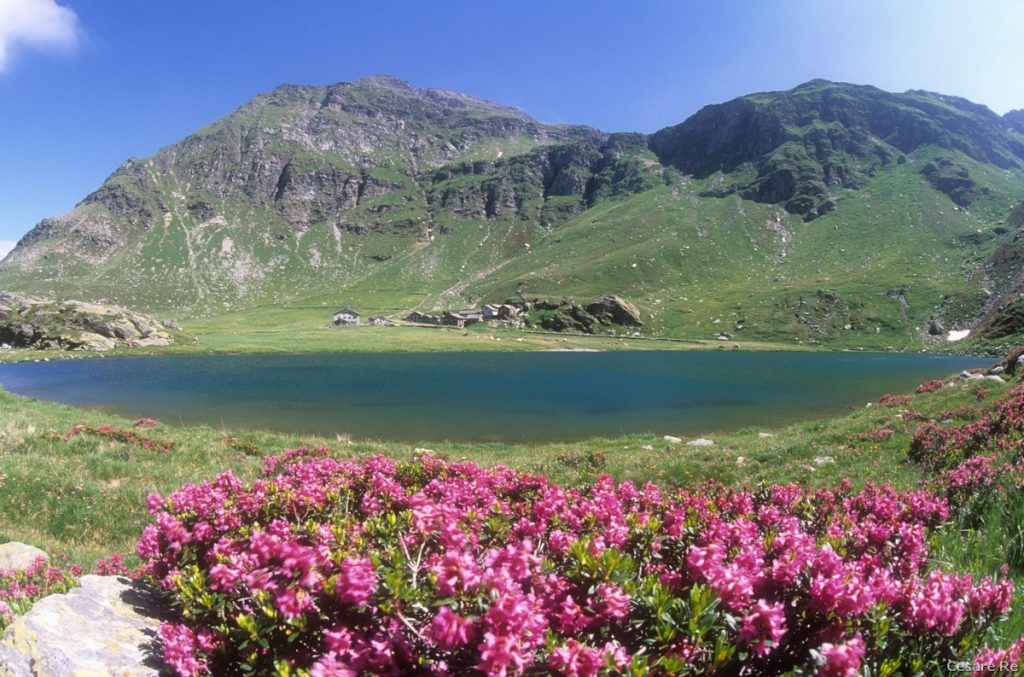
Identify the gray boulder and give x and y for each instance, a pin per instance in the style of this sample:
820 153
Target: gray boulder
29 322
108 626
615 309
88 340
156 341
16 555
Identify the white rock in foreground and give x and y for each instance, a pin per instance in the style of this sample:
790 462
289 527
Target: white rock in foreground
701 442
108 626
16 555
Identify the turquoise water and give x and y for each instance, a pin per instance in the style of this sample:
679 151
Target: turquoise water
509 397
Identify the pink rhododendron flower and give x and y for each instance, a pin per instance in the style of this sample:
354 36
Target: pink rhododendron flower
763 628
448 630
841 660
357 581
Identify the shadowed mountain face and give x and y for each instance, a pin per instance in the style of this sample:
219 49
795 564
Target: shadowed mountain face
1015 119
798 147
785 214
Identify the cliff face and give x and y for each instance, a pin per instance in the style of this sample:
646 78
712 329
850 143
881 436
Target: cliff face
220 217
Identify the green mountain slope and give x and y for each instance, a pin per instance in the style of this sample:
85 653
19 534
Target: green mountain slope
830 213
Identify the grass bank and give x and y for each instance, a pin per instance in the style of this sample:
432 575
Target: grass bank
85 493
240 339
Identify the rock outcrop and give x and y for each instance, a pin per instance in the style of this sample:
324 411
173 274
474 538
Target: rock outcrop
107 626
567 315
617 310
19 555
30 322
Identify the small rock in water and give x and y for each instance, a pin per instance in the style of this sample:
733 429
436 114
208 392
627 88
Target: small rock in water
672 439
701 442
822 460
16 555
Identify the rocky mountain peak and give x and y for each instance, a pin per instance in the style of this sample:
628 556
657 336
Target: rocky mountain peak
1015 119
388 81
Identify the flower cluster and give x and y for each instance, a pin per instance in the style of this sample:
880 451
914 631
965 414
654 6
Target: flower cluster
125 435
875 435
1002 662
890 400
113 565
995 428
326 567
929 387
20 588
980 483
961 413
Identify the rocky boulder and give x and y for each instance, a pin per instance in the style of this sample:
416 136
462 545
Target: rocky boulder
29 322
88 340
567 315
617 310
19 555
107 626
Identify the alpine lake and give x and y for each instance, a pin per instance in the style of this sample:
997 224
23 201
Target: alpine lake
486 397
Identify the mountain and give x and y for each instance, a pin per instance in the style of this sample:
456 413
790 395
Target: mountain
829 213
1015 119
799 146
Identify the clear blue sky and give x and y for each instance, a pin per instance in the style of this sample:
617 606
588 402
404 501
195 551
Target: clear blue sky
86 84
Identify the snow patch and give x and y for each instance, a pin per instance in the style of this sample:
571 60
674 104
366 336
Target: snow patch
958 334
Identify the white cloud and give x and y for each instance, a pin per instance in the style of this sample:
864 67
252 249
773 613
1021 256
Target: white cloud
6 246
35 24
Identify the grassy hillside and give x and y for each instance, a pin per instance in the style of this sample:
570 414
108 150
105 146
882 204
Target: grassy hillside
699 267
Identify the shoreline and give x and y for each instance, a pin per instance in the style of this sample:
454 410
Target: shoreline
412 339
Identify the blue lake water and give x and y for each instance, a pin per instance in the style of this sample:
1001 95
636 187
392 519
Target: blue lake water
509 397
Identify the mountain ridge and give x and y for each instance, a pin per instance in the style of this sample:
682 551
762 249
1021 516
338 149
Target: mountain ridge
338 192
